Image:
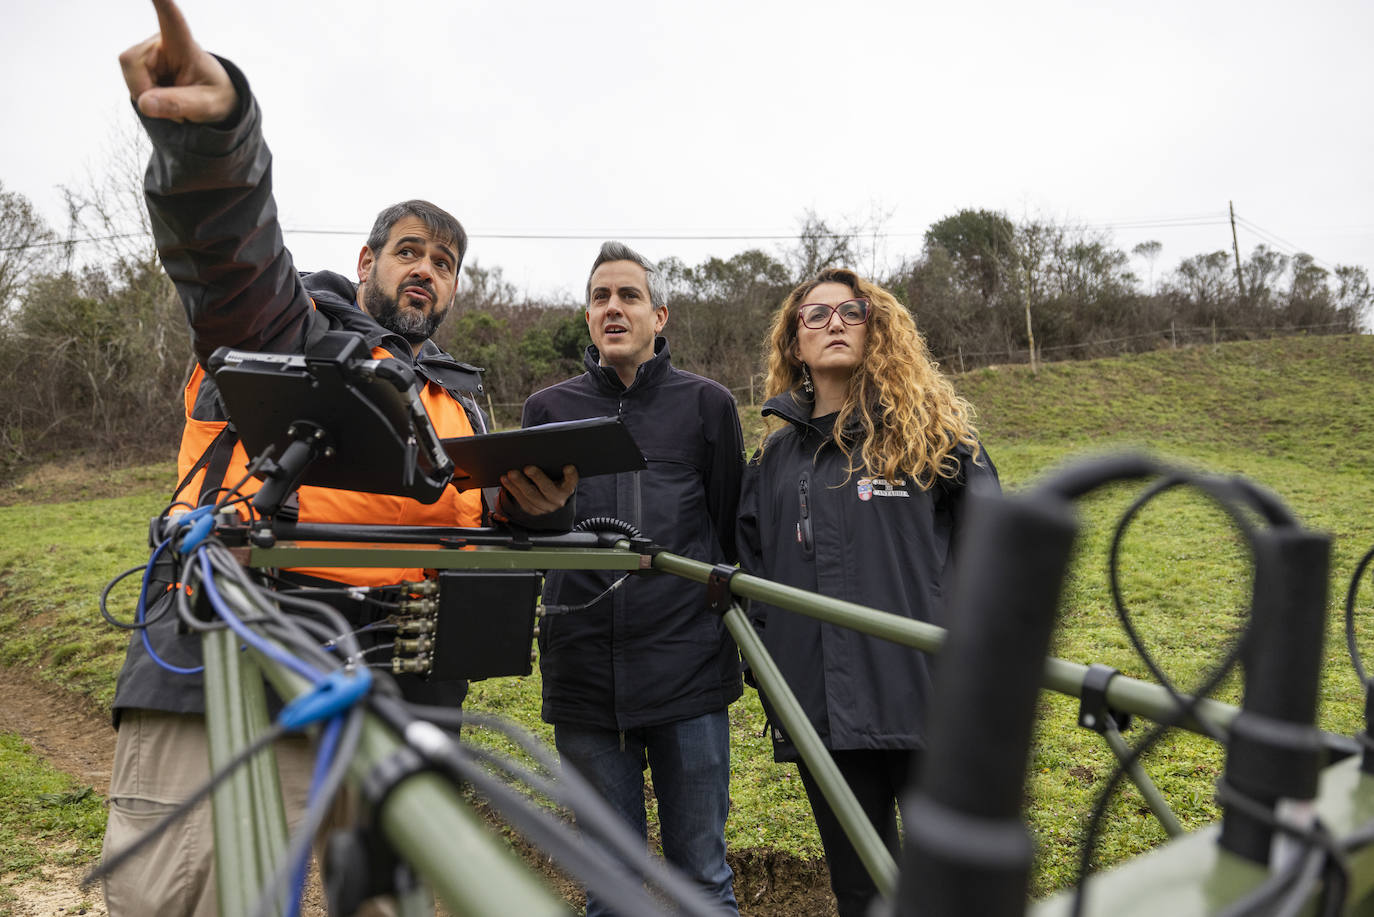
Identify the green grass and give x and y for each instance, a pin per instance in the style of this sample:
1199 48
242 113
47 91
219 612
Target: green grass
1292 415
55 559
45 818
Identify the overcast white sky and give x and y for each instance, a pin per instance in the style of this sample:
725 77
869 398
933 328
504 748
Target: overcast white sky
636 119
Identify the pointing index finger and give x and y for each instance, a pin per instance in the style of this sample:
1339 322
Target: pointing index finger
177 42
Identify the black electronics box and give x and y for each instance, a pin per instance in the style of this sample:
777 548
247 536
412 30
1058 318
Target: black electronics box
486 623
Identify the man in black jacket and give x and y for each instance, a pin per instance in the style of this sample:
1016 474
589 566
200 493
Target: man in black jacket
640 674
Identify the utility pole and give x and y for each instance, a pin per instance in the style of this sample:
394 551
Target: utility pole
1030 333
1235 247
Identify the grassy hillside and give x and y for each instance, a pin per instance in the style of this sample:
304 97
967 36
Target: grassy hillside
1291 414
1305 398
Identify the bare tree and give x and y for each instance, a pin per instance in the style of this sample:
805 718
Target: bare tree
106 214
27 246
1354 294
820 246
1150 252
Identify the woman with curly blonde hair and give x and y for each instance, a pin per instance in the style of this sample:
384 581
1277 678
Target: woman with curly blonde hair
857 493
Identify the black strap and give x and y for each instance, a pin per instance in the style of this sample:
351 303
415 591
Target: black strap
389 773
227 432
220 451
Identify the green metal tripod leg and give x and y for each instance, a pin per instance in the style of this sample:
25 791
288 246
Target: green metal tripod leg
1151 794
425 820
857 827
249 825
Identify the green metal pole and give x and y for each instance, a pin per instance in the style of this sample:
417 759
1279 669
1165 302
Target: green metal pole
1140 698
236 859
1153 797
896 628
469 867
269 823
1124 694
860 831
425 820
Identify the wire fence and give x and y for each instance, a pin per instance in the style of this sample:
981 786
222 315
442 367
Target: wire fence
750 392
1173 337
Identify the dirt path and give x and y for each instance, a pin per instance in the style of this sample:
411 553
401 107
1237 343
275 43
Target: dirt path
73 737
77 739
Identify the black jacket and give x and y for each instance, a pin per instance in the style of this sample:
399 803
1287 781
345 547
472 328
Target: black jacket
652 652
887 545
210 203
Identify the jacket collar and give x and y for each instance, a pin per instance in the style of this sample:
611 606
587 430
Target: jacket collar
795 407
649 372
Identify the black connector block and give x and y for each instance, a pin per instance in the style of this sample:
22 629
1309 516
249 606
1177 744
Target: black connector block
486 624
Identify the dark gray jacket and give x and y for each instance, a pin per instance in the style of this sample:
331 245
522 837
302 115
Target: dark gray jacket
210 203
887 545
650 653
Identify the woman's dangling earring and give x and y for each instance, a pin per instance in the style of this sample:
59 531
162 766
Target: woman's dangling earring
806 380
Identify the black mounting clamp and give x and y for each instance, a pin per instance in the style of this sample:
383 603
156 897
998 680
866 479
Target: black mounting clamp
718 597
1093 710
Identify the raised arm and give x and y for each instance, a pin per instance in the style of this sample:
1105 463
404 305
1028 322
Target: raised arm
209 194
170 76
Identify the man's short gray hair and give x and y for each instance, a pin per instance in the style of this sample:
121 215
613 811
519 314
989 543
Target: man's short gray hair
442 224
619 251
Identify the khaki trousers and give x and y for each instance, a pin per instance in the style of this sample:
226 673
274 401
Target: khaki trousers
160 759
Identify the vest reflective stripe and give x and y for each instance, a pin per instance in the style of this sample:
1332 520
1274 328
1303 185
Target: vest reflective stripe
321 504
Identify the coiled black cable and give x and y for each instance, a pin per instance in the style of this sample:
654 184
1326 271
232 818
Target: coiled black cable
608 524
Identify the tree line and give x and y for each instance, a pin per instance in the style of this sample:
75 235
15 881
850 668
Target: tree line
94 354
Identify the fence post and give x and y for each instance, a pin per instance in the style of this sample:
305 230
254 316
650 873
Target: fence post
1173 336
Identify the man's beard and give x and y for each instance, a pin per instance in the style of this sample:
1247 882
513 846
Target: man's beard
410 323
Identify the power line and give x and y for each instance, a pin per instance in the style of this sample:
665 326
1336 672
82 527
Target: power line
582 235
54 243
1179 222
1216 219
1288 247
630 234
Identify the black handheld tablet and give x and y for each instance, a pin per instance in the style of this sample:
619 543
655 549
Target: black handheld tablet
596 445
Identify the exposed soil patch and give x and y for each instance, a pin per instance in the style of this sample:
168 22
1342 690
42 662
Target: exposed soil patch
76 738
72 735
57 895
84 476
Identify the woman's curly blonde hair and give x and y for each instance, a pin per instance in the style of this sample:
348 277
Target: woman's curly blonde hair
910 418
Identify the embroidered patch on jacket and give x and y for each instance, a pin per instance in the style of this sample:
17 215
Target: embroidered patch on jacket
879 487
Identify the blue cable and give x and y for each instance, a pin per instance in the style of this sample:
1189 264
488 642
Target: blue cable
352 686
140 612
329 742
244 632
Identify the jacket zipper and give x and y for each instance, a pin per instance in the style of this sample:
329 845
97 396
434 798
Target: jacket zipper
804 519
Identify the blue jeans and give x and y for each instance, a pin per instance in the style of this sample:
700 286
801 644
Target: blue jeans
690 764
